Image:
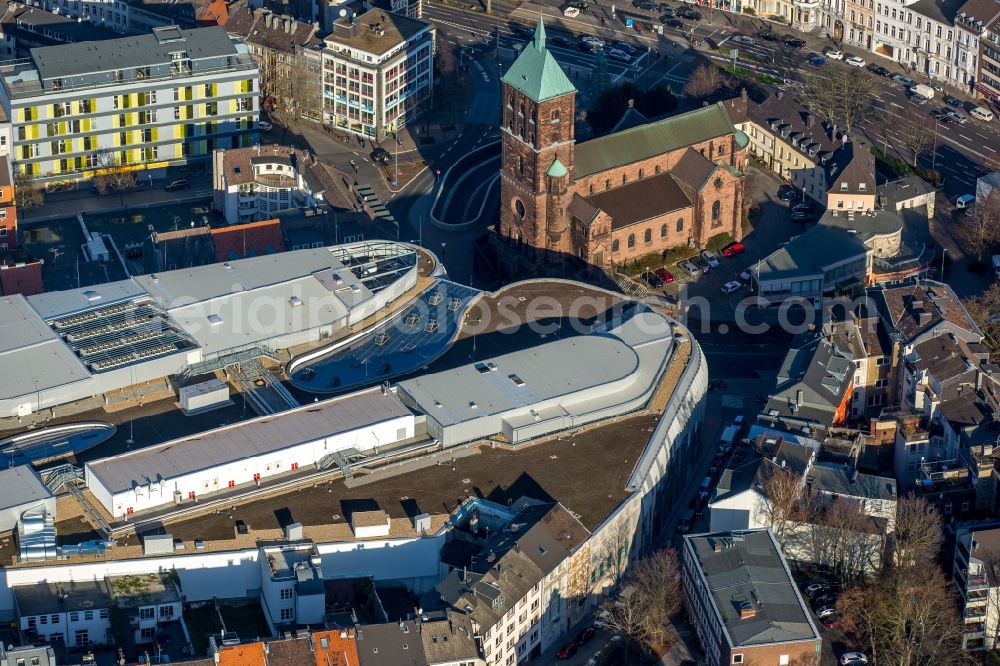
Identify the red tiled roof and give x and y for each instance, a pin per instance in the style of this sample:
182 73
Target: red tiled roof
21 279
252 239
214 13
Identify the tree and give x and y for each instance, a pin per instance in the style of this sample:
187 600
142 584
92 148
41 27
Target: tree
657 579
980 230
842 95
112 175
838 535
705 81
612 103
27 193
625 615
862 610
984 309
781 492
916 133
917 535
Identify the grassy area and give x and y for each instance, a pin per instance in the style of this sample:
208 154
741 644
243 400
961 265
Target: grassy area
247 620
202 622
716 243
654 260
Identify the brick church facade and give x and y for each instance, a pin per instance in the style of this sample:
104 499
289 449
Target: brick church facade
645 189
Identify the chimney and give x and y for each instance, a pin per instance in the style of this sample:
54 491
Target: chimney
631 103
747 611
717 546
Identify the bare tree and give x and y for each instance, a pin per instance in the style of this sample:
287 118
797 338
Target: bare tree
657 579
839 535
781 492
862 610
625 615
613 552
705 81
843 95
917 533
916 133
984 309
112 175
27 193
980 230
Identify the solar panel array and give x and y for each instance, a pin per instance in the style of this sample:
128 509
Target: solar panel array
406 343
120 334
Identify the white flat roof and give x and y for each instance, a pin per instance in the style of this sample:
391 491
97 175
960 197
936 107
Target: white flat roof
533 376
210 449
32 357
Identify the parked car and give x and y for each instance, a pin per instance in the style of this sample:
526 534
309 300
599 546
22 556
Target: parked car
795 42
817 61
826 612
824 600
849 657
952 101
688 267
916 98
619 55
520 31
855 61
904 81
713 261
742 39
624 46
834 54
381 155
587 47
652 280
731 286
264 126
701 264
579 4
177 184
647 6
768 36
665 275
801 216
584 636
567 651
812 589
733 249
878 69
559 40
788 193
589 39
959 118
691 15
940 114
805 206
665 8
830 621
745 277
674 23
571 12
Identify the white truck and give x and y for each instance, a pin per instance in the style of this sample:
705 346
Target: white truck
924 91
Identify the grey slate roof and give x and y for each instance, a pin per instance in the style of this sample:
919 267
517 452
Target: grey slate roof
129 52
840 481
390 644
810 253
749 569
693 169
814 367
44 598
904 189
19 486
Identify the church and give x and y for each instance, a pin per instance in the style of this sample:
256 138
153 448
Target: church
643 189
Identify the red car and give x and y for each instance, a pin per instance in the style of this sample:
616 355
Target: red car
665 275
733 249
830 621
567 651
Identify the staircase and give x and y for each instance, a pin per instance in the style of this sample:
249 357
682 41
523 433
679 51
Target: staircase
340 458
379 211
56 477
208 366
628 285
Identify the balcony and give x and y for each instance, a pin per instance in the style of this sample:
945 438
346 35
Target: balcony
275 180
974 614
977 583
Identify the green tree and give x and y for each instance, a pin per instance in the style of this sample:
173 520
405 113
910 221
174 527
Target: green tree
612 103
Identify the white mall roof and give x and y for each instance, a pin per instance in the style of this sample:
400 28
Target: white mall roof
207 450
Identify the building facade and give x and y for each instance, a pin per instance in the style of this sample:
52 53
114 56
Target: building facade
642 190
378 73
79 110
976 551
252 184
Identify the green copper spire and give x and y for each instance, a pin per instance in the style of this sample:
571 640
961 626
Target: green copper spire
540 35
557 170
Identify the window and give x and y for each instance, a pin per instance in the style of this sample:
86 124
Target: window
631 240
862 187
783 660
615 245
166 612
147 613
82 638
147 633
287 614
663 231
554 117
647 237
738 658
74 617
680 225
716 210
286 593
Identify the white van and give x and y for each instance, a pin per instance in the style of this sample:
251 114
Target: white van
571 12
965 201
979 113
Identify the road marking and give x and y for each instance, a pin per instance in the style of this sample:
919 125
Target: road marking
964 137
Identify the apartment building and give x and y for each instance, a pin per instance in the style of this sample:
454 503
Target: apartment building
981 20
252 184
859 20
743 602
518 591
977 551
8 211
139 103
292 591
378 72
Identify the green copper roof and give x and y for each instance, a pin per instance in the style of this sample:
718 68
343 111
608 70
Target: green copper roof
742 140
536 73
644 141
557 170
